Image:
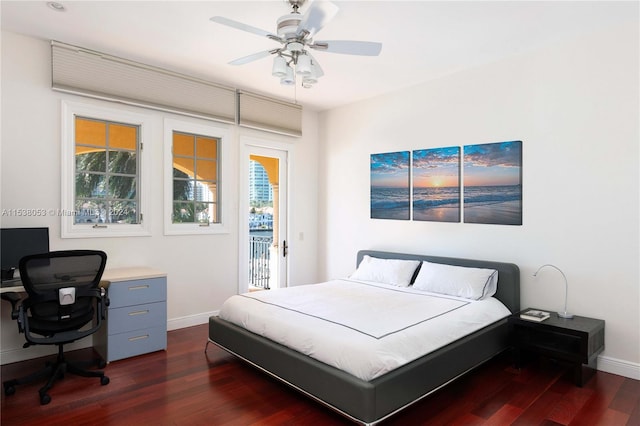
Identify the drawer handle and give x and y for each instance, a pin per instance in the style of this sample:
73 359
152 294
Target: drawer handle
139 287
133 339
134 313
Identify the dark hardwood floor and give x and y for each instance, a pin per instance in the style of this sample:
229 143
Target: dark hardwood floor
183 386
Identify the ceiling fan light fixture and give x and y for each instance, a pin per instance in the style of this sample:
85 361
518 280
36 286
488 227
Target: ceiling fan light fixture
308 82
315 73
303 65
295 46
279 67
289 79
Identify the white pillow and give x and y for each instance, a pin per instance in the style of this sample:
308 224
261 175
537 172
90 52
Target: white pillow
460 281
388 271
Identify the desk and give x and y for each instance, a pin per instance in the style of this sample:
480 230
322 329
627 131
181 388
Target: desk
12 285
113 275
137 315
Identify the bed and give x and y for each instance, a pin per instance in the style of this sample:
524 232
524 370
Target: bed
371 399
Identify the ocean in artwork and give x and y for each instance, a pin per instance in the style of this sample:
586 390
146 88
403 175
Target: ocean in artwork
389 203
440 204
500 204
493 183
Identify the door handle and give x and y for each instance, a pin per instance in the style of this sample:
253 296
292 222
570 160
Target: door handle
285 248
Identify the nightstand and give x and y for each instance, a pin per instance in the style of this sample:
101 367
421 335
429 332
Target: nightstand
577 341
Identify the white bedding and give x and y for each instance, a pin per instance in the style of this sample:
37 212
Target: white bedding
366 329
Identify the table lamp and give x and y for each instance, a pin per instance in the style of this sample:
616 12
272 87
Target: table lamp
564 314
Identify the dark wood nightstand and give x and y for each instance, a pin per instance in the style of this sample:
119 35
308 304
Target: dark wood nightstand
577 341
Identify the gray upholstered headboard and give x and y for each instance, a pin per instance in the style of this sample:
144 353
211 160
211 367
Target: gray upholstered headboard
508 273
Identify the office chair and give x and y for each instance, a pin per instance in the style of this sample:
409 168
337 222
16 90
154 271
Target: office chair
64 303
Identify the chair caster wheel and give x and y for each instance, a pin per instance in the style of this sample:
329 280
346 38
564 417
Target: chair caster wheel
9 390
104 380
44 399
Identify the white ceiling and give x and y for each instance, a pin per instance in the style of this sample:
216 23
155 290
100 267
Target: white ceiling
421 40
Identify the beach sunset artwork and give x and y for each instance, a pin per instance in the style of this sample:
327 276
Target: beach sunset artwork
436 184
390 185
493 183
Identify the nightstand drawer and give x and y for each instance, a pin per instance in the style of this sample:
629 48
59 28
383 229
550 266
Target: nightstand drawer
136 292
125 345
137 317
557 343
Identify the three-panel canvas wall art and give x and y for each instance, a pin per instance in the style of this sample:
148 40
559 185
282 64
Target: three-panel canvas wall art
478 184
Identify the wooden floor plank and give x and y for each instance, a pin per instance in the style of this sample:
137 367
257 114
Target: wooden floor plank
185 386
506 415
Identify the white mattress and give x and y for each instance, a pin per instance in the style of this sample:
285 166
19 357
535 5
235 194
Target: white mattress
366 329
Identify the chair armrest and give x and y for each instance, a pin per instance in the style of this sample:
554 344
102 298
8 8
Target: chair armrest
17 312
13 298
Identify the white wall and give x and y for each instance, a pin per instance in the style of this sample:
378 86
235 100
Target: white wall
575 107
202 270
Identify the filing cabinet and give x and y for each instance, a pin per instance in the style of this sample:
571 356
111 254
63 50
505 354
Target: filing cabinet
137 315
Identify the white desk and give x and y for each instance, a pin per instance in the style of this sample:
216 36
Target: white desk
13 285
137 315
111 275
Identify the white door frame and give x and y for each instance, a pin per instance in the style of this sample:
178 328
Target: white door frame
268 148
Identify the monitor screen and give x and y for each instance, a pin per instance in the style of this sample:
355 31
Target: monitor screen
15 243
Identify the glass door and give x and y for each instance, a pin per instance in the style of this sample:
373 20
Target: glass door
263 242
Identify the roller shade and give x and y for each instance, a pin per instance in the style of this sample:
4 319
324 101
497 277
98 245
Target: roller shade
259 112
88 73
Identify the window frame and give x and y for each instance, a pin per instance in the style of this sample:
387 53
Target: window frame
206 129
69 229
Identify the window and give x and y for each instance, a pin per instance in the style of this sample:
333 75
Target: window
102 178
106 180
193 177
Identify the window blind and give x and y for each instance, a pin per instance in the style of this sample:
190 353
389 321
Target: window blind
88 73
259 112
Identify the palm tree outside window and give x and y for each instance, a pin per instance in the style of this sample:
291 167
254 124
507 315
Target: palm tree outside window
106 172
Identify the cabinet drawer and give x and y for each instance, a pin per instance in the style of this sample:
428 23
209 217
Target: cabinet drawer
136 292
550 342
132 343
137 317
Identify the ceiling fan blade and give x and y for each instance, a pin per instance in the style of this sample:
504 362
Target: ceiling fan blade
240 26
251 58
318 15
348 47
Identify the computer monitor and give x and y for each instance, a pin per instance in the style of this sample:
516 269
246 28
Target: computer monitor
15 243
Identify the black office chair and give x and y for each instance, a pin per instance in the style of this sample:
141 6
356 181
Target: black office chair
64 303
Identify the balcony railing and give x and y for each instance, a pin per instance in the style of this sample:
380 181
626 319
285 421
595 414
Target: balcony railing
259 261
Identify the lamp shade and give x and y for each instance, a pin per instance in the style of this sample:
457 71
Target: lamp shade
303 65
289 79
279 67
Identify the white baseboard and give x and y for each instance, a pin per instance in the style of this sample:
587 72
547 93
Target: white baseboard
8 356
620 367
190 320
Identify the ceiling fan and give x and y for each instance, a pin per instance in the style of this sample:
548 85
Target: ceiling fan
295 33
